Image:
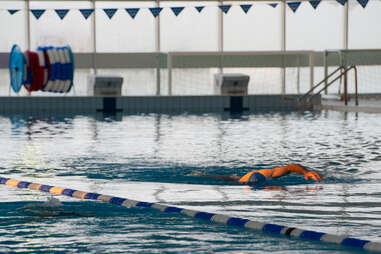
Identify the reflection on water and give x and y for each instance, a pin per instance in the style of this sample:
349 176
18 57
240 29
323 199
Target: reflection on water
147 157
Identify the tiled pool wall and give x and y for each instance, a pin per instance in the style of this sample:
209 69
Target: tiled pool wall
150 104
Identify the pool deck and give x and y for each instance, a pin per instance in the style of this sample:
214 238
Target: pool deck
366 105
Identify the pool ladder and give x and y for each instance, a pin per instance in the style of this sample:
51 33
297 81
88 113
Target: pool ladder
305 100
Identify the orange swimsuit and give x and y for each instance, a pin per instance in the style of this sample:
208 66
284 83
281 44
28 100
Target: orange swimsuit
278 172
266 174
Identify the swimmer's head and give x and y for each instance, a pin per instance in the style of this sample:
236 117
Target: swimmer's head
256 179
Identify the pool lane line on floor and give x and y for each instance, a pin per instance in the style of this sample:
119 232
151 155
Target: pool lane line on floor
231 221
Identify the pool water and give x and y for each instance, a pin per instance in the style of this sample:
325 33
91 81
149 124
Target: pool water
147 157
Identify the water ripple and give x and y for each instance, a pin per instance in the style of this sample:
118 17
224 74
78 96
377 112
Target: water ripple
147 157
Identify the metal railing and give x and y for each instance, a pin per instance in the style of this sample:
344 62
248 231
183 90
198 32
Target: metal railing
307 97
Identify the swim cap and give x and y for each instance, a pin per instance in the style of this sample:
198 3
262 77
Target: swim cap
257 178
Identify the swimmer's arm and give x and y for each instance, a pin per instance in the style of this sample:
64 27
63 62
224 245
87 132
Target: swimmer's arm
298 169
226 178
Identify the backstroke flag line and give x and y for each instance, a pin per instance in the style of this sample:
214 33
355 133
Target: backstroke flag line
176 10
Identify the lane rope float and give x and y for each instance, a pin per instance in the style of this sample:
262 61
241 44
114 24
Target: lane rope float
28 80
46 65
56 82
49 69
63 78
37 71
52 76
41 70
16 68
71 68
231 221
62 71
25 78
66 57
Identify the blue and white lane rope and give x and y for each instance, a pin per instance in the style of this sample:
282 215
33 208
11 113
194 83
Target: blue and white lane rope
231 221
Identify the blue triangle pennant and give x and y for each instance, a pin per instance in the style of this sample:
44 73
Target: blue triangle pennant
110 12
12 11
342 2
225 8
246 7
177 10
274 5
294 5
363 3
155 11
37 13
199 8
86 12
315 4
62 13
132 12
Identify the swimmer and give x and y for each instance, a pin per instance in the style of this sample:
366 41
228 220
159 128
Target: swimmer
262 175
50 208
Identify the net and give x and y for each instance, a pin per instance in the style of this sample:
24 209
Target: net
270 72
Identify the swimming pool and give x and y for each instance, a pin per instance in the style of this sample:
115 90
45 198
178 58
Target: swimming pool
145 157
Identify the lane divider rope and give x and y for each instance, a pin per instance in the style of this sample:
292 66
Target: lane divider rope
231 221
49 69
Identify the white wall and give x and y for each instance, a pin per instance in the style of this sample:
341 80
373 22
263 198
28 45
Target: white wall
364 25
12 27
260 29
50 30
122 33
310 29
190 30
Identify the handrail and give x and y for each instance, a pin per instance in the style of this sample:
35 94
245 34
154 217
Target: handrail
318 84
345 70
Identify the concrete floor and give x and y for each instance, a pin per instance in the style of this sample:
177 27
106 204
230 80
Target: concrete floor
367 104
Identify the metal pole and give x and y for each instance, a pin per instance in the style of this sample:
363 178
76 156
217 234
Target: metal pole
325 71
28 39
283 24
283 44
298 76
346 26
346 22
312 65
94 23
29 42
356 87
169 66
158 49
345 88
220 36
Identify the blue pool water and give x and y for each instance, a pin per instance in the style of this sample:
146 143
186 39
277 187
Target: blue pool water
146 158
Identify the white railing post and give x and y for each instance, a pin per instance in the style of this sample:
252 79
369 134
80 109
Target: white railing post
283 44
312 65
28 39
220 36
346 25
94 34
158 49
169 67
326 72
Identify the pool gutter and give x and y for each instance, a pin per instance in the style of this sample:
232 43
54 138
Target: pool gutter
151 104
